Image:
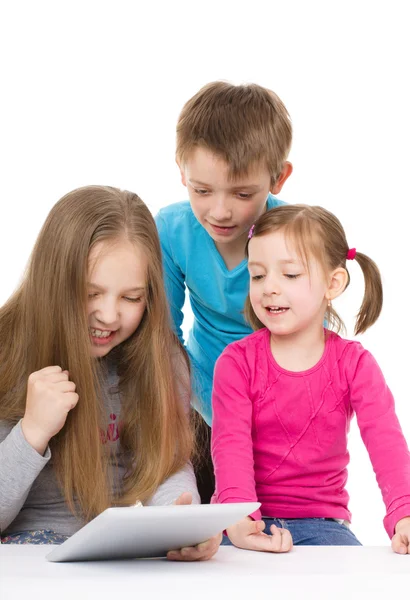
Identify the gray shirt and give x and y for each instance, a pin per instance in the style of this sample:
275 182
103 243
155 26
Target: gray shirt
30 497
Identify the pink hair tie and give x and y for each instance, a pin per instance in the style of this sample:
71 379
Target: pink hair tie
351 254
250 234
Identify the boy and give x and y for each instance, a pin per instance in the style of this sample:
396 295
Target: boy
232 146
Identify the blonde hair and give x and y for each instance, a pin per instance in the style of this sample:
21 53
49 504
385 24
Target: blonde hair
316 231
243 124
45 323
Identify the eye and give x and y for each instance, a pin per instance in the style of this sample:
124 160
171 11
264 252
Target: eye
92 295
200 192
244 195
291 275
257 277
139 299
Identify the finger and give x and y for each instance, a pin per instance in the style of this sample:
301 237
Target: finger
275 539
261 542
287 541
209 547
186 554
254 527
56 377
242 533
399 544
43 372
184 498
208 553
49 370
46 379
70 400
174 555
67 386
193 553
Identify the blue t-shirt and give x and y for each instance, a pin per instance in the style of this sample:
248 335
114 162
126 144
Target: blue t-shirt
217 294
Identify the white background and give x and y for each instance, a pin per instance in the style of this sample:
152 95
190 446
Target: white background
91 91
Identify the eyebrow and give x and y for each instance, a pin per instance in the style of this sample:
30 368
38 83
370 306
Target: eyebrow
101 289
250 186
283 261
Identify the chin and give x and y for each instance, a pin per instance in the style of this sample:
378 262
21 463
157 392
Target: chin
100 352
279 331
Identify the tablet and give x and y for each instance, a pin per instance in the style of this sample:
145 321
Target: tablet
149 531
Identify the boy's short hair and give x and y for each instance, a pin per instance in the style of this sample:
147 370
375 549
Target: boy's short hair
243 124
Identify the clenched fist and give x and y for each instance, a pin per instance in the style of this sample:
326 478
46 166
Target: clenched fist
50 397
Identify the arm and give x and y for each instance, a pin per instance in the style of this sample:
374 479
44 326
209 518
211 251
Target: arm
173 276
174 489
180 482
24 451
175 289
232 447
232 453
382 435
183 480
20 465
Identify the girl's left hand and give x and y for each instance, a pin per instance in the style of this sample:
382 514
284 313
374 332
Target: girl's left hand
203 551
401 540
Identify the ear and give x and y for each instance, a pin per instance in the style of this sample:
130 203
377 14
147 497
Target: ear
284 174
337 283
182 172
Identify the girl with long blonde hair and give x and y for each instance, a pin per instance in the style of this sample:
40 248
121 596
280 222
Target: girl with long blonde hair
94 385
285 395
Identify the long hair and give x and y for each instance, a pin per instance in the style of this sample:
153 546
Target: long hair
45 323
317 232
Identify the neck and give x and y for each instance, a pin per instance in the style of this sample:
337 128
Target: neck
233 252
299 351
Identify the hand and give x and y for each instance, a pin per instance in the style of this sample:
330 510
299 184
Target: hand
401 540
50 397
248 534
203 551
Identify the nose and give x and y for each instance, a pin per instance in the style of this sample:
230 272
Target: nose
271 285
220 209
106 311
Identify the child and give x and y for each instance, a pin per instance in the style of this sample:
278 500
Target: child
94 386
232 146
284 396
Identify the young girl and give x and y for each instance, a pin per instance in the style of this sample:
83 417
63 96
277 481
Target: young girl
284 396
94 386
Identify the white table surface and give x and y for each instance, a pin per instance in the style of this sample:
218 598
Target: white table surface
306 572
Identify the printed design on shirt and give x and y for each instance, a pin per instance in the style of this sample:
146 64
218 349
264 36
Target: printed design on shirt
313 425
113 430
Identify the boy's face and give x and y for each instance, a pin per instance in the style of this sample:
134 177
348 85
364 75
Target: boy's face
226 208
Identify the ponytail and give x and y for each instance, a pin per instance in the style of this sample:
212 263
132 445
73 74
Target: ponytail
373 294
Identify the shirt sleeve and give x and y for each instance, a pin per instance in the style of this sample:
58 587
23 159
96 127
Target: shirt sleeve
231 445
382 435
174 277
182 481
20 465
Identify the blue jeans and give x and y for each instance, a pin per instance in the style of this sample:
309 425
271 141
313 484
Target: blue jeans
312 532
41 536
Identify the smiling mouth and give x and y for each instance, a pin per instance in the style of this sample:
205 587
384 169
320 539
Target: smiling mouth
100 333
101 337
276 310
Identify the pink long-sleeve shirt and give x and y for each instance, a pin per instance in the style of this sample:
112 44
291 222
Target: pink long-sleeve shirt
280 437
